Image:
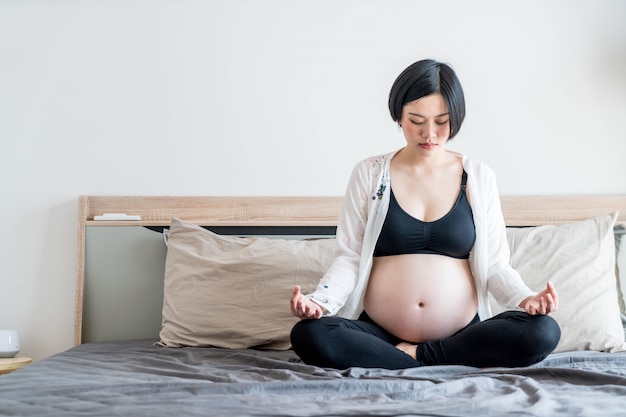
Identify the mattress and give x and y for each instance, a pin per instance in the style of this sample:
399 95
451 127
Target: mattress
137 378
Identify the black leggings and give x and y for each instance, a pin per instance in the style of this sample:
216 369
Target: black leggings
510 339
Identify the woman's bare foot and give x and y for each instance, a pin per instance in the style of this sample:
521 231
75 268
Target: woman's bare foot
408 348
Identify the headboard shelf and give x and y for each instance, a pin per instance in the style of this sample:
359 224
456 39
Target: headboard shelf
319 211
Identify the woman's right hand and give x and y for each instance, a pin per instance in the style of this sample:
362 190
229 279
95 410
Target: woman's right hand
302 307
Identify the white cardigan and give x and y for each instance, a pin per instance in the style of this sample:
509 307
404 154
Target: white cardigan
363 212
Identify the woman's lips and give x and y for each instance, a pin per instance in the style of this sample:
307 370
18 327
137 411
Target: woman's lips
427 146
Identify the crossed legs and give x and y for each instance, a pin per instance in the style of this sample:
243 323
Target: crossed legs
510 339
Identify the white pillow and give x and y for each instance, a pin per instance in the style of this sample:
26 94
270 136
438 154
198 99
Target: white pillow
579 258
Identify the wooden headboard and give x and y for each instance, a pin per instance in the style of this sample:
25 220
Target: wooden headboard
297 211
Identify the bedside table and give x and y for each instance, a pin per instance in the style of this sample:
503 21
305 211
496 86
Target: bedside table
8 365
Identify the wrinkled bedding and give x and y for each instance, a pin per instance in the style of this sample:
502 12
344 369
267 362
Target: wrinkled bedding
135 378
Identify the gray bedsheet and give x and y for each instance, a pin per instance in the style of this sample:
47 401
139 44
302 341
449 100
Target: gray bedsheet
138 379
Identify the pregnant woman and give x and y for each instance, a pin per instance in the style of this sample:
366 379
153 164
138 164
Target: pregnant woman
421 241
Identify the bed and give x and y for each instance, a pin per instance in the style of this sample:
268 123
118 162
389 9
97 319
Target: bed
203 330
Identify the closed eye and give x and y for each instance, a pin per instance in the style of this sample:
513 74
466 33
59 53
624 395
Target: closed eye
440 123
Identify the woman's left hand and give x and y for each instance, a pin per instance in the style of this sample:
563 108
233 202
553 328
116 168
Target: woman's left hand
543 303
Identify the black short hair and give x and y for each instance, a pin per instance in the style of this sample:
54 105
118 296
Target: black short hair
424 78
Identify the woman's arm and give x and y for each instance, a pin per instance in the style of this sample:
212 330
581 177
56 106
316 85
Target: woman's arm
504 282
340 280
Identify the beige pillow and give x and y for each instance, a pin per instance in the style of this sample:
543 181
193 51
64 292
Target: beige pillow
233 292
579 258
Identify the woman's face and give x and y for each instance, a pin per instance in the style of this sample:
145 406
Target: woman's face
426 123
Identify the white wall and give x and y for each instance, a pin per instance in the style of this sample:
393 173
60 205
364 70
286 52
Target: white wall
275 97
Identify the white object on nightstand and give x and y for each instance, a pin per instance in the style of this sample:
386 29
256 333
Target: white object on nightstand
9 343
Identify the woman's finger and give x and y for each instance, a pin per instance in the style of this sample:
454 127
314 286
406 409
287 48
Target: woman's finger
551 304
296 302
554 294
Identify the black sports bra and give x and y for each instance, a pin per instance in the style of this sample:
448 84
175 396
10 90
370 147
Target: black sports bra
452 235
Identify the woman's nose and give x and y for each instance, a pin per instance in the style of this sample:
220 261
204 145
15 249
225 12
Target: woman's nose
430 131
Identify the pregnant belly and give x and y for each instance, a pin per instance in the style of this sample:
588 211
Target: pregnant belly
421 297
